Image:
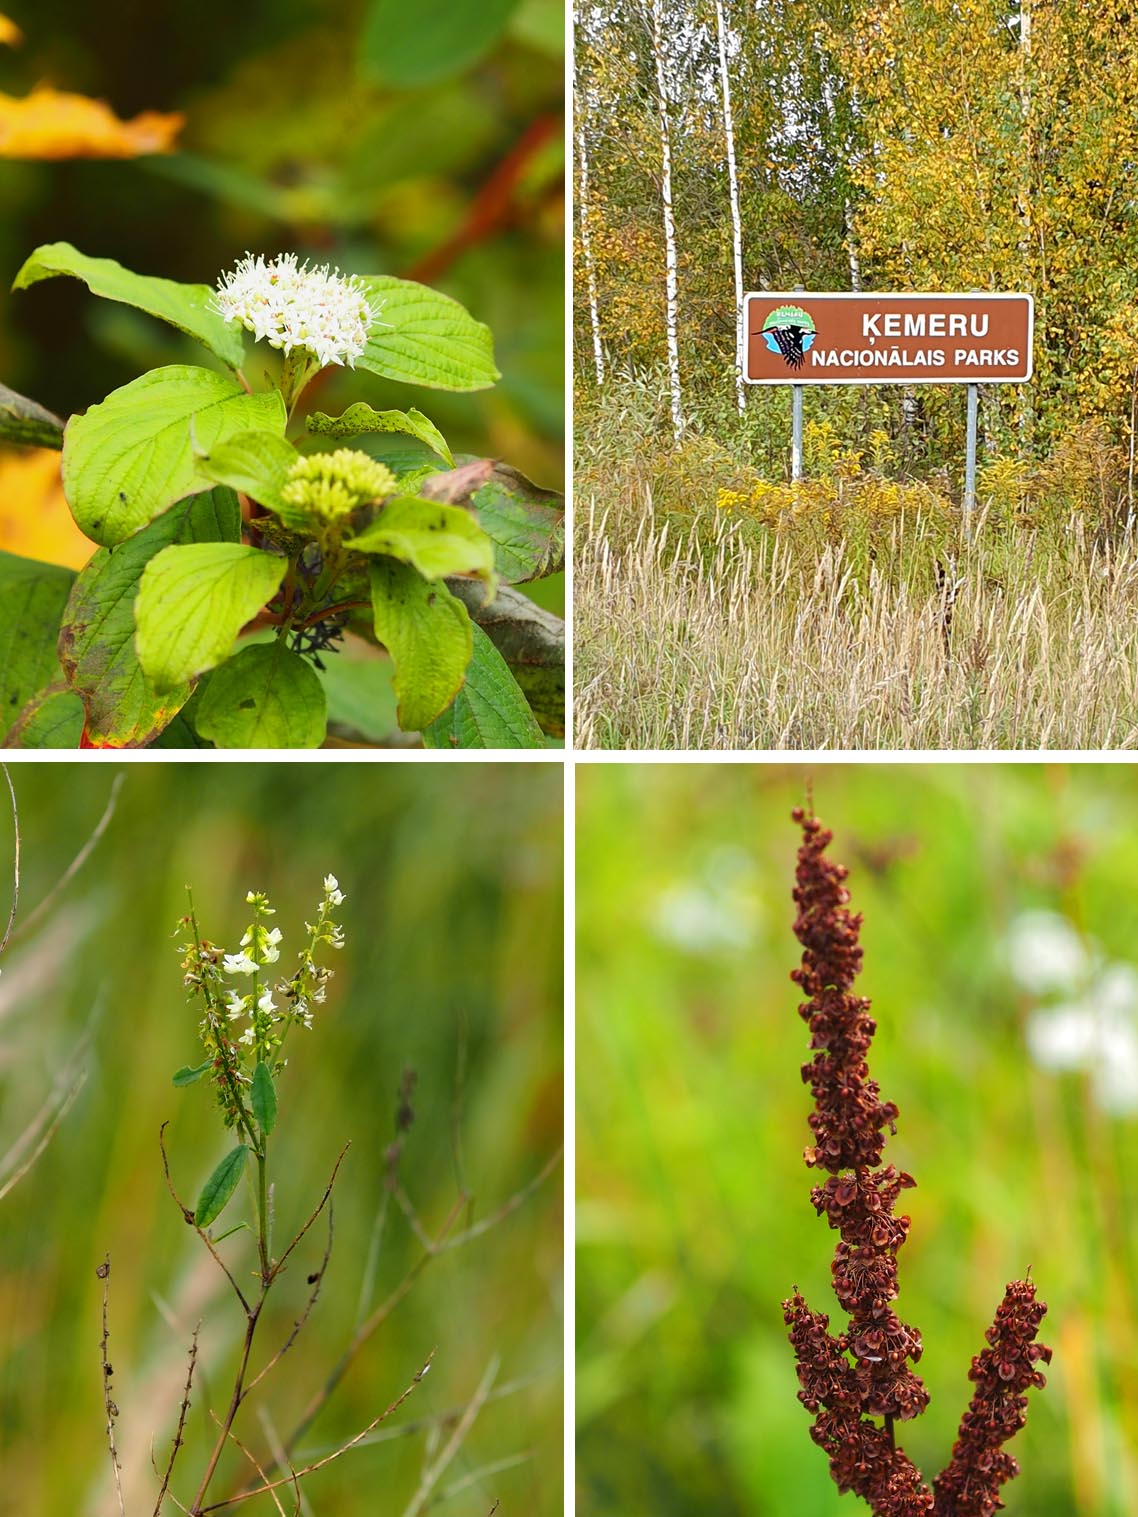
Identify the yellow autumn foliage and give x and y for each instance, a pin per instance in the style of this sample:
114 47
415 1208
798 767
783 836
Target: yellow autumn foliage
10 33
51 123
34 519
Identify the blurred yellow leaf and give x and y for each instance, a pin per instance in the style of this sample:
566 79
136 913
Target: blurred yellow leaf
50 123
34 519
10 32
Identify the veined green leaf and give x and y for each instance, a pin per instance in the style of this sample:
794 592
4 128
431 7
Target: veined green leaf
437 540
220 1186
192 602
263 697
97 640
257 464
32 598
525 524
423 338
361 418
185 306
263 1098
428 634
489 711
134 454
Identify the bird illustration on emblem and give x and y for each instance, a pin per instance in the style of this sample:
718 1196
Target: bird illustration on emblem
789 330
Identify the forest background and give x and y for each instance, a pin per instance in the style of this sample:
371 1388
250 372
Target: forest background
941 145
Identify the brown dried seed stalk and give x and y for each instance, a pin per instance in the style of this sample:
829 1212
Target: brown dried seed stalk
864 1372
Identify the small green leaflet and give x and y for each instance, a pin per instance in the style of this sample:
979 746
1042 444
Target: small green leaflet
187 1076
264 1098
220 1186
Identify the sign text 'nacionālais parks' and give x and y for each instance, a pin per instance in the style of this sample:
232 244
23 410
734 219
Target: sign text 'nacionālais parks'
796 338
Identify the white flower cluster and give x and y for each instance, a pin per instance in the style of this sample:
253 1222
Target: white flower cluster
260 949
292 306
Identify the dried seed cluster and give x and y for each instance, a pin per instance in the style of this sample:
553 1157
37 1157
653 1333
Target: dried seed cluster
864 1372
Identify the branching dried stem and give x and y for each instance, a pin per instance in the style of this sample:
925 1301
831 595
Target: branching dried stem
434 1471
109 1407
188 1218
182 1411
319 1464
848 1122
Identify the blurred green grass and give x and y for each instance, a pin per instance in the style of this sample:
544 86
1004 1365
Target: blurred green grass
453 878
694 1219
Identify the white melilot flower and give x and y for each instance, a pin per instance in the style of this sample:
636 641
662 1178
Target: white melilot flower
266 1003
1045 953
236 1004
332 892
292 306
246 1036
238 963
270 953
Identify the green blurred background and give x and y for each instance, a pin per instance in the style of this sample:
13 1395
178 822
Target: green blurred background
419 140
453 878
694 1216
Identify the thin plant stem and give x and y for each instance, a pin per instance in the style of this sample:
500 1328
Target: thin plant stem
183 1409
435 1470
109 1407
320 1463
15 860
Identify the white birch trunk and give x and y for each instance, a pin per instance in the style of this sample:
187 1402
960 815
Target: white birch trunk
736 222
671 279
586 246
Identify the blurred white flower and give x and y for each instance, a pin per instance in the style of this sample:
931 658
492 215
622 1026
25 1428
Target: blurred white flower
716 911
1045 953
1099 1034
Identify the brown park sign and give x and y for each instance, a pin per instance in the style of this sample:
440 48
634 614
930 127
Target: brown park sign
795 338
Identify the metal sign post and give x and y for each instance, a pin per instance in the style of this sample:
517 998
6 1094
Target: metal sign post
970 457
795 434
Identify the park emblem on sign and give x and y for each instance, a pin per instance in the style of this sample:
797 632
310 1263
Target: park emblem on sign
795 338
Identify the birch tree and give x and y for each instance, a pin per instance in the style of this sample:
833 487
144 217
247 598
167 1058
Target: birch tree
671 273
581 140
733 193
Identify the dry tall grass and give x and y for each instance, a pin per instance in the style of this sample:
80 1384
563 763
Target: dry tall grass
708 640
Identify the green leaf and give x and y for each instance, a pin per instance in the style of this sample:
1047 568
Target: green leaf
32 598
444 38
361 418
525 524
51 719
264 697
26 422
185 306
423 338
220 1186
428 634
437 540
263 1098
188 1076
193 601
97 640
257 464
134 454
489 711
